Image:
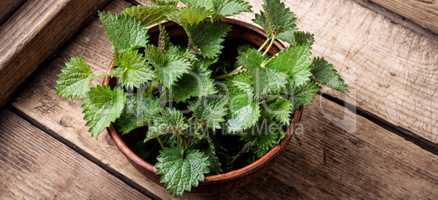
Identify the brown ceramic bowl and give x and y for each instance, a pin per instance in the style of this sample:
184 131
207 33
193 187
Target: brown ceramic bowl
241 33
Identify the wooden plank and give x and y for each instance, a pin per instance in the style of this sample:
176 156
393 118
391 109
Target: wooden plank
422 12
34 165
33 33
341 156
7 7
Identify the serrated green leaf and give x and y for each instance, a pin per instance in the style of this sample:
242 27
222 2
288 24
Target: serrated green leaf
166 2
181 170
149 15
295 62
74 80
125 32
171 121
275 18
139 111
250 58
169 66
297 38
326 74
101 107
132 69
267 81
220 8
208 38
304 95
263 142
196 83
279 109
243 118
210 111
264 80
189 17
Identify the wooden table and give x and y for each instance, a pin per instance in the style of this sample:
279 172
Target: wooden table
377 142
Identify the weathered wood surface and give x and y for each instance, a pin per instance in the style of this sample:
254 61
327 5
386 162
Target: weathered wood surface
342 155
421 12
33 33
7 7
34 165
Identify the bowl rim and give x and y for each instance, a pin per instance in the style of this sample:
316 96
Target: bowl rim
231 175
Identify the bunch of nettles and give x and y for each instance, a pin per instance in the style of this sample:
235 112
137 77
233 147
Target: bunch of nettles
174 91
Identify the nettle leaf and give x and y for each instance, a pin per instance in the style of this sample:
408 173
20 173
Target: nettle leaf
168 66
264 80
297 38
132 69
244 82
326 74
231 7
209 110
304 95
264 142
188 17
275 18
125 32
208 38
196 83
267 81
102 106
166 2
149 15
181 169
250 58
221 7
171 121
279 109
244 117
139 111
295 62
74 80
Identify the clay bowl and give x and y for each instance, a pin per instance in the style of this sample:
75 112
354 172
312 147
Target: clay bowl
241 33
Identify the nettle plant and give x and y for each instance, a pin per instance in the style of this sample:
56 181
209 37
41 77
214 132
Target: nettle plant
199 114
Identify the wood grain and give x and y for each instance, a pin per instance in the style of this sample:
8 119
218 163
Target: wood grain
341 156
34 165
7 7
33 33
422 12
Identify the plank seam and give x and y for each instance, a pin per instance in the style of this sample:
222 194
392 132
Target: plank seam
392 128
397 18
85 154
11 13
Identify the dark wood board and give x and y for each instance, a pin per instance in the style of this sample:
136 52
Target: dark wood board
33 33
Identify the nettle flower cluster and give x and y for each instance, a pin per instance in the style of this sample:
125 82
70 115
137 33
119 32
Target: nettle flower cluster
185 98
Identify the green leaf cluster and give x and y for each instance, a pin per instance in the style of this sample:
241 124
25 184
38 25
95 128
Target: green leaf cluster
182 98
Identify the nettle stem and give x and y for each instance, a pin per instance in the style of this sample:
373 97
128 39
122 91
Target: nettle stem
232 73
269 46
263 45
